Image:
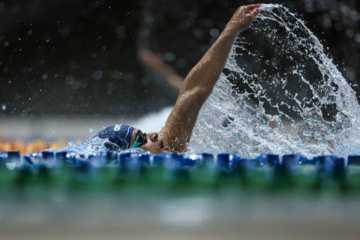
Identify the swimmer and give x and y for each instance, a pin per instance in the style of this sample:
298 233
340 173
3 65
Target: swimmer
194 90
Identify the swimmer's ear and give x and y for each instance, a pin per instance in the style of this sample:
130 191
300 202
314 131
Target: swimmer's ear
111 146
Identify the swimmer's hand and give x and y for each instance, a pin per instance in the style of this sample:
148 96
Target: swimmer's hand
243 17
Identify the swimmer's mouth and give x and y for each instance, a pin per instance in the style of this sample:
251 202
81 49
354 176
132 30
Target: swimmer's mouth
166 148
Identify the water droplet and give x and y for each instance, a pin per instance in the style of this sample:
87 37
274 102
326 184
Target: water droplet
97 75
214 32
3 107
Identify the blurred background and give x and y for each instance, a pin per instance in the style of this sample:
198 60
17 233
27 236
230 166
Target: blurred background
66 61
79 57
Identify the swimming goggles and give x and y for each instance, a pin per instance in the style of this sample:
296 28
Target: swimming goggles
139 141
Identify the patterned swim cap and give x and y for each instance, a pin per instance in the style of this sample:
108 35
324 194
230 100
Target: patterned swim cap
120 135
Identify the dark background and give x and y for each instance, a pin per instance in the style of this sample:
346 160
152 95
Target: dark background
79 57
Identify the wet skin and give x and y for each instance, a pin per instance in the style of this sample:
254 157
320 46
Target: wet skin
153 143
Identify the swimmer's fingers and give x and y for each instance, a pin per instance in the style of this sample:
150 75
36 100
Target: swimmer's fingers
253 6
243 17
251 10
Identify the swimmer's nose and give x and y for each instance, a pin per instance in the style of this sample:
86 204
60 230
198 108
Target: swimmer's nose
154 136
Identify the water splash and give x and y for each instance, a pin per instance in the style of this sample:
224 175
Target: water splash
287 78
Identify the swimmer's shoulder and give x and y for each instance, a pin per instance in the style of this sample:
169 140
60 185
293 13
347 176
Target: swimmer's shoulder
173 139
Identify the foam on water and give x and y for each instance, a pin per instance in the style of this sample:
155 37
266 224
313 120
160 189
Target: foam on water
288 79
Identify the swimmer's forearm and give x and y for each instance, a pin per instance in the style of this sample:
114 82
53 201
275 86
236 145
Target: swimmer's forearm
195 89
207 71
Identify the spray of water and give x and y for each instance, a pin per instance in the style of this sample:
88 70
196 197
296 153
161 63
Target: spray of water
287 78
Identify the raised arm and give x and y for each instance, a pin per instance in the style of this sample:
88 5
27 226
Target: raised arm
201 80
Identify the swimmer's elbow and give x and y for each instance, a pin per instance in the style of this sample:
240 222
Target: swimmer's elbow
204 91
199 93
199 89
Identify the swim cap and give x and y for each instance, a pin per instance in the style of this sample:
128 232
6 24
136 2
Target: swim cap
118 135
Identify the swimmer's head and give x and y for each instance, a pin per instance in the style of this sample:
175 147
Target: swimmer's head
122 137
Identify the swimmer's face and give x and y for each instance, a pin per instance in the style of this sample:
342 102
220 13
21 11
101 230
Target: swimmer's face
150 142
